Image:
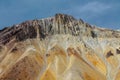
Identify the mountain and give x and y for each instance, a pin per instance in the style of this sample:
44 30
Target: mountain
59 48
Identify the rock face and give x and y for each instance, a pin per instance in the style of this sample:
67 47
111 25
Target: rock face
59 48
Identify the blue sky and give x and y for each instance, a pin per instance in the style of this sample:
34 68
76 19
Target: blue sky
103 13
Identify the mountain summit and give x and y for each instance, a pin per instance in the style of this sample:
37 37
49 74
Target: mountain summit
59 48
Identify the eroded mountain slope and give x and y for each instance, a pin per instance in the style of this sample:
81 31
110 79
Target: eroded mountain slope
59 48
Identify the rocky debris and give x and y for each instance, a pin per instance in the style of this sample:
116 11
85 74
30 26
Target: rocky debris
109 54
118 51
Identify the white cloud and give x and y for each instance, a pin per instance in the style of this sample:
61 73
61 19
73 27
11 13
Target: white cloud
94 7
90 9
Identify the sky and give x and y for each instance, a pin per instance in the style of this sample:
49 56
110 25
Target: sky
102 13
